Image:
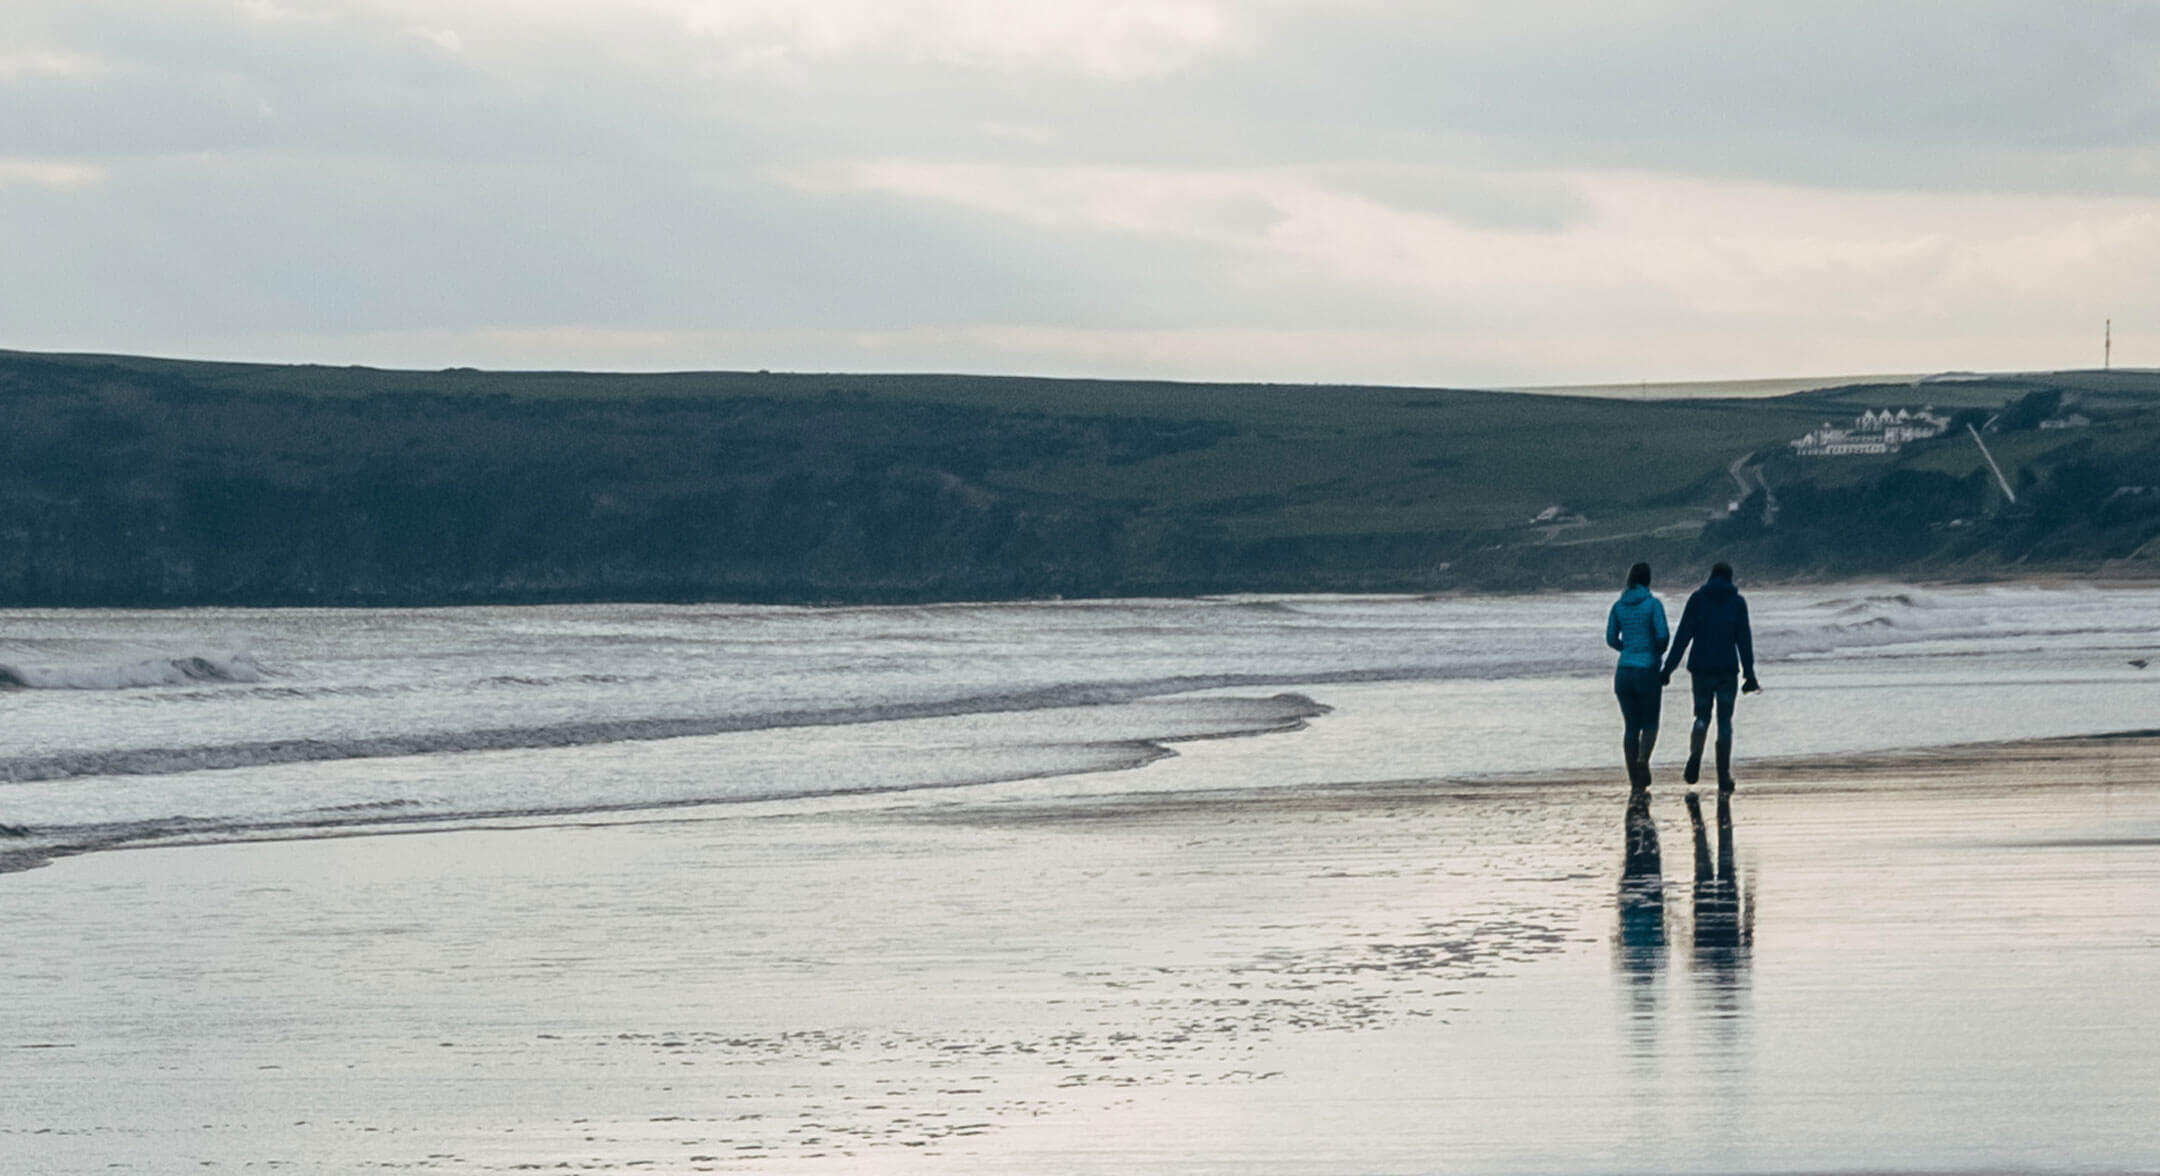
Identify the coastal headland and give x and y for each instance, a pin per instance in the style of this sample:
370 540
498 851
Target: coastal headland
130 481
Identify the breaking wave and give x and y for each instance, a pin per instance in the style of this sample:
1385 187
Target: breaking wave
176 671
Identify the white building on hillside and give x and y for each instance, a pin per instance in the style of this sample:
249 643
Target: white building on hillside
1874 431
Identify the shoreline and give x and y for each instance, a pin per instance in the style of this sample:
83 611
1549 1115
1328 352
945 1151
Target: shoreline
2110 578
1911 766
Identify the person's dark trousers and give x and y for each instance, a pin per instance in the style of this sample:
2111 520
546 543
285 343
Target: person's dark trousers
1640 695
1714 689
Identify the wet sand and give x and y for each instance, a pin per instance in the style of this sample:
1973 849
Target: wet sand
1928 960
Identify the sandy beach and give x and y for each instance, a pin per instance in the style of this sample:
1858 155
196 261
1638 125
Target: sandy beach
1939 960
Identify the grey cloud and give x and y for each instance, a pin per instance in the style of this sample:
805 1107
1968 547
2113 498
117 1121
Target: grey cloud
1831 91
343 177
1523 203
392 187
1983 94
229 245
175 80
1827 91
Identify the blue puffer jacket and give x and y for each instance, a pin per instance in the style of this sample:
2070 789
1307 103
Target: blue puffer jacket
1636 627
1716 622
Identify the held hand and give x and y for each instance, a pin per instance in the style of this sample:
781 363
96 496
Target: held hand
1664 679
1751 686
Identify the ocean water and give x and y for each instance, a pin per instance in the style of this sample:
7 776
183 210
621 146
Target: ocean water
1722 389
131 728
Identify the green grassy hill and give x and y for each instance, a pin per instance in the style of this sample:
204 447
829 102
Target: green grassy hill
126 480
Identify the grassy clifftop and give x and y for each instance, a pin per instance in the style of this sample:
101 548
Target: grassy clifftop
126 480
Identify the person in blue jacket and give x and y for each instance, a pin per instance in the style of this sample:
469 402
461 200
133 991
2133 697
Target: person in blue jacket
1722 660
1636 627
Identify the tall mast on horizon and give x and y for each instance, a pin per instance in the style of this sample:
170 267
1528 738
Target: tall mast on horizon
2107 347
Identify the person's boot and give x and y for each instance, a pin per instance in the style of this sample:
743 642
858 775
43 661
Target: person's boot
1724 766
1693 771
1642 757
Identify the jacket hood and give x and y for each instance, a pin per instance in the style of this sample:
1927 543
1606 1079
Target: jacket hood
1718 588
1635 594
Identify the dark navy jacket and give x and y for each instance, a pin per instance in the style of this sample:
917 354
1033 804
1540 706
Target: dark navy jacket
1715 623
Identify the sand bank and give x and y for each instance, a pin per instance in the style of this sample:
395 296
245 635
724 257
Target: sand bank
1938 960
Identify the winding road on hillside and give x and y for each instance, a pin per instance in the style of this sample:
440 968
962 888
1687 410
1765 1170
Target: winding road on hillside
1739 471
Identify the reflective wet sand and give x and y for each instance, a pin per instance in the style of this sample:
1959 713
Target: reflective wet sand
1940 961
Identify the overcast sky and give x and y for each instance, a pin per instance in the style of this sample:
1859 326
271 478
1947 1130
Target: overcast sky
1408 191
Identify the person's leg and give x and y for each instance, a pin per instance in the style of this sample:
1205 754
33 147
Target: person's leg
1704 687
1628 689
1653 700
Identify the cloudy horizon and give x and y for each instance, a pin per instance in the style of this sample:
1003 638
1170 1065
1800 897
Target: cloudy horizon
1284 190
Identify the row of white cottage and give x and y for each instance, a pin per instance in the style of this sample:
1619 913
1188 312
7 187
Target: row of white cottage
1872 432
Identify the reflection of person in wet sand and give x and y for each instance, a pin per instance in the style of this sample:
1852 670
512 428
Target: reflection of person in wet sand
1641 943
1724 918
1642 889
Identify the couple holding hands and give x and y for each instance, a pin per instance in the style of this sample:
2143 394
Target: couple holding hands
1720 653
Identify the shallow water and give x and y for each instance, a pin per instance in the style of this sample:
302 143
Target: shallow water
209 725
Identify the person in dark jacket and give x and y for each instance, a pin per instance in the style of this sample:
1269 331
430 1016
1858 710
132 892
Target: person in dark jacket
1636 627
1721 662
